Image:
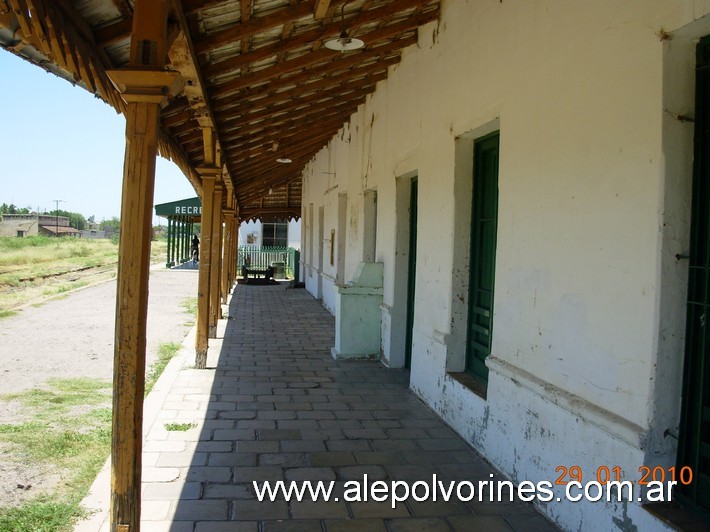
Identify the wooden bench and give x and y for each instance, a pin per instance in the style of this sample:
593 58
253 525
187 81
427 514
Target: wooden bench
260 275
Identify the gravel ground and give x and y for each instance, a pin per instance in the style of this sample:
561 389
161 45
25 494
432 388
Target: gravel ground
73 337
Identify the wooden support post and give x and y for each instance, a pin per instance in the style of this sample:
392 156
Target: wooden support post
236 250
237 223
131 313
203 284
226 255
215 302
144 86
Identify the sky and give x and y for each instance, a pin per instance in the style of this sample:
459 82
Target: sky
59 142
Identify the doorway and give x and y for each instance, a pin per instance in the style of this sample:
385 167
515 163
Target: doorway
411 271
694 444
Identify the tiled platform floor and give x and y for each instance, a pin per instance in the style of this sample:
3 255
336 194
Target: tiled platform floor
274 405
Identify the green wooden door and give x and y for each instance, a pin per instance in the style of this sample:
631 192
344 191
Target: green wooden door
484 223
411 270
694 445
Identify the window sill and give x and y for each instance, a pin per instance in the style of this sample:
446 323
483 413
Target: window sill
474 384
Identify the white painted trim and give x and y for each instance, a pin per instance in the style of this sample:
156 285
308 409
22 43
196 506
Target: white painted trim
601 418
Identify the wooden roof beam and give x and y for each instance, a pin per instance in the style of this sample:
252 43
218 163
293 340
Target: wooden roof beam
124 7
192 6
236 32
321 9
118 31
308 125
290 137
336 88
307 148
328 59
323 32
313 115
329 86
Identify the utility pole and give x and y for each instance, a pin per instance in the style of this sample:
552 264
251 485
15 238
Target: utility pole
57 202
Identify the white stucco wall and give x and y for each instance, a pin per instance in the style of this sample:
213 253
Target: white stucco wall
594 188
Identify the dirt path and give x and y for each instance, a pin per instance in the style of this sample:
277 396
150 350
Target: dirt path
73 337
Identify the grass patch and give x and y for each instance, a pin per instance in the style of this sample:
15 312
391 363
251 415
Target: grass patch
165 353
70 434
62 396
41 515
189 305
179 427
7 313
36 267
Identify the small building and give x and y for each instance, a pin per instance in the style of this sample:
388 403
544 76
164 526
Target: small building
276 233
182 215
22 225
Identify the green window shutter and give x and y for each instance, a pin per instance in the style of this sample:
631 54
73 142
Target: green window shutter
484 225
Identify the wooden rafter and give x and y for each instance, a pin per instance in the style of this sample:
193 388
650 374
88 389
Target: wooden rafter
256 72
320 33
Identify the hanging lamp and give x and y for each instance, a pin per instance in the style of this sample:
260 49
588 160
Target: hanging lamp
344 43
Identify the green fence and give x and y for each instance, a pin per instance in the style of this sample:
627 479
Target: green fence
283 260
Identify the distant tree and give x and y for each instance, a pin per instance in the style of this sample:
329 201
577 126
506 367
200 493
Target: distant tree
111 226
14 209
91 219
76 220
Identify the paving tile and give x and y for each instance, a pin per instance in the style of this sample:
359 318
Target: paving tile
379 458
155 510
203 510
431 508
232 459
276 398
431 524
184 459
228 491
208 474
355 525
254 510
258 446
283 459
348 445
170 491
308 509
331 459
310 473
395 445
383 510
279 435
259 474
293 525
242 434
298 424
441 444
302 445
159 446
232 526
167 526
373 472
160 474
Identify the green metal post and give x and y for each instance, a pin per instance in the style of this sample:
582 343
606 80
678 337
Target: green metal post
167 258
